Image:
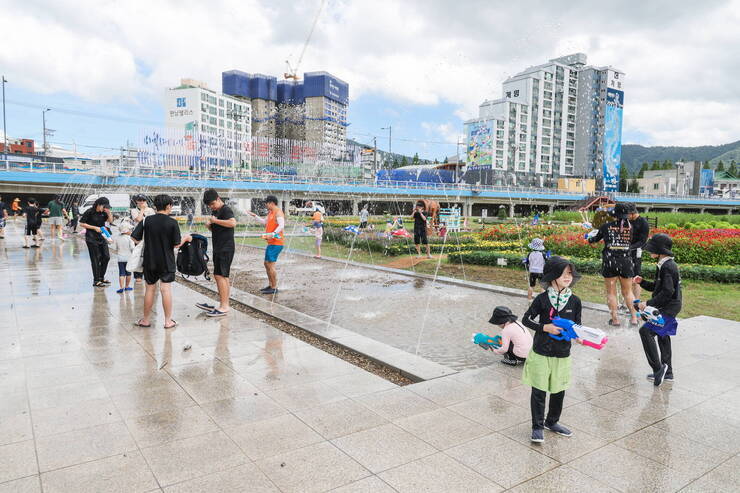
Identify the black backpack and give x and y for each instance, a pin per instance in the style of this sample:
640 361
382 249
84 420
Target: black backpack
192 259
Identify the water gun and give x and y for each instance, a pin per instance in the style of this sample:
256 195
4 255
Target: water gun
486 341
649 314
352 229
591 234
270 236
587 225
106 234
590 337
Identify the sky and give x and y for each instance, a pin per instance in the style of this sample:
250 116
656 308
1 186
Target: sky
420 66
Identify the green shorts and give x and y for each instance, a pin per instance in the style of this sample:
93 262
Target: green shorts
546 373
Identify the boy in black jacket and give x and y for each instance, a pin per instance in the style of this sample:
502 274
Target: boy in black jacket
667 298
547 368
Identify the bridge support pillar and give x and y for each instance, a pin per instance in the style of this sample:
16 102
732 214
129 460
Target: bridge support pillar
355 207
729 211
674 209
511 210
551 208
702 210
467 208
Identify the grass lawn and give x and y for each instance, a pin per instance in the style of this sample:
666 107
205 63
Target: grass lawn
699 297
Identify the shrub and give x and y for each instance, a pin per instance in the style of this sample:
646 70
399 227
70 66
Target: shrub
671 226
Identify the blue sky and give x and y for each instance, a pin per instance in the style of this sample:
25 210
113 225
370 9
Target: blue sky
422 66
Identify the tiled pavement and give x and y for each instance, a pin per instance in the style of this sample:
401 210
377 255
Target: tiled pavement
87 403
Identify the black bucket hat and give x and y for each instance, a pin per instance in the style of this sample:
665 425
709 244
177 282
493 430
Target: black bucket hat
620 211
660 244
501 315
631 208
554 268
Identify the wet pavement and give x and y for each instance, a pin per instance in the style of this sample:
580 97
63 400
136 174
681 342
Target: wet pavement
396 309
91 403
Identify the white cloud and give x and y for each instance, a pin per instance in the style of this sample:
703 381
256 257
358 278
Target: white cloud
680 58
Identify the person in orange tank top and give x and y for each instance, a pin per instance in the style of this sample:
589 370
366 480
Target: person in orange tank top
275 237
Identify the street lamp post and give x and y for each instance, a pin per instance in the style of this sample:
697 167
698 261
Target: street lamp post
43 119
5 128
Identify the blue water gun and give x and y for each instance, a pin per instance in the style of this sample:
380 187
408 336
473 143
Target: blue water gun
589 336
486 341
352 229
650 314
106 234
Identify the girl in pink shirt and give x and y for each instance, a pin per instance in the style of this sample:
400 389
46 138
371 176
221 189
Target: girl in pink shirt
516 340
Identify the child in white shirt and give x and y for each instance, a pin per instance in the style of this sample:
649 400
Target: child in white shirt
123 245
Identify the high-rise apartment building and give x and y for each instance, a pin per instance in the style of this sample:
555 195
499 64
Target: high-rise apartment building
313 109
559 119
215 128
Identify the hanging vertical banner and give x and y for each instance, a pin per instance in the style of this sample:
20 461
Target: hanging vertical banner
480 143
612 139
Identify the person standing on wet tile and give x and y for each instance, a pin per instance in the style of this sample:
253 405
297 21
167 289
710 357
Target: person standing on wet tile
667 298
547 368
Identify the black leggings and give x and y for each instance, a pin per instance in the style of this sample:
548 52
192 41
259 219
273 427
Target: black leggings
99 257
537 402
510 353
656 359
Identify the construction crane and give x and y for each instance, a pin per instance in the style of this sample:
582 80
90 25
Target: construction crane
292 73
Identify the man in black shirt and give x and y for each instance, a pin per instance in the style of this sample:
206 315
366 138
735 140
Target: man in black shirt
221 224
31 212
420 229
640 233
161 236
93 221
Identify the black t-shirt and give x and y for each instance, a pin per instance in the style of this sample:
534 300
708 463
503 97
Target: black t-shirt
419 222
640 232
3 207
94 218
617 236
161 235
542 312
223 238
31 212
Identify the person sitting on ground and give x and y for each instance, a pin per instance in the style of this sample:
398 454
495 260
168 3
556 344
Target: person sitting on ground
161 235
667 298
275 237
516 341
616 261
221 224
535 262
123 245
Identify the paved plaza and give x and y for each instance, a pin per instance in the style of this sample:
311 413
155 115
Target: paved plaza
90 403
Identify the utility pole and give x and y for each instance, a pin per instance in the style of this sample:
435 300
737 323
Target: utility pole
43 118
5 128
375 154
390 139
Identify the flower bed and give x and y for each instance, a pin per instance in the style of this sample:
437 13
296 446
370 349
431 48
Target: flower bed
721 273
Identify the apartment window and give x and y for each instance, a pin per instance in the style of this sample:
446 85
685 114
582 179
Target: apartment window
204 118
522 128
546 141
220 123
547 104
545 150
548 95
522 137
548 86
524 110
548 76
546 123
221 113
203 96
523 119
547 113
544 159
499 124
655 186
229 105
221 102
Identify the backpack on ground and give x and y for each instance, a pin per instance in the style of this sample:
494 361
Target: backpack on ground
192 259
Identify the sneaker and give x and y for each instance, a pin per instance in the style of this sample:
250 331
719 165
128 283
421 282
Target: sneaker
119 291
205 306
651 376
659 375
559 429
270 291
128 289
26 246
215 313
510 362
106 282
538 436
267 288
35 246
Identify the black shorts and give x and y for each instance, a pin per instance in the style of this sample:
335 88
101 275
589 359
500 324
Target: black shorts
533 278
637 266
617 266
363 225
222 263
152 277
420 237
32 229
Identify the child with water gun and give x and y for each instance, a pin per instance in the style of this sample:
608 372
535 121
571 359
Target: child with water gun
660 311
547 368
516 341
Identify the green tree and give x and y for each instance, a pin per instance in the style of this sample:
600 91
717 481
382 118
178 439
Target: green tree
643 169
706 165
655 166
634 186
415 160
667 164
445 161
733 169
396 164
720 166
623 178
404 161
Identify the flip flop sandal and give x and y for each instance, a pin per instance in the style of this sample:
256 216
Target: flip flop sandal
139 324
174 324
618 324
